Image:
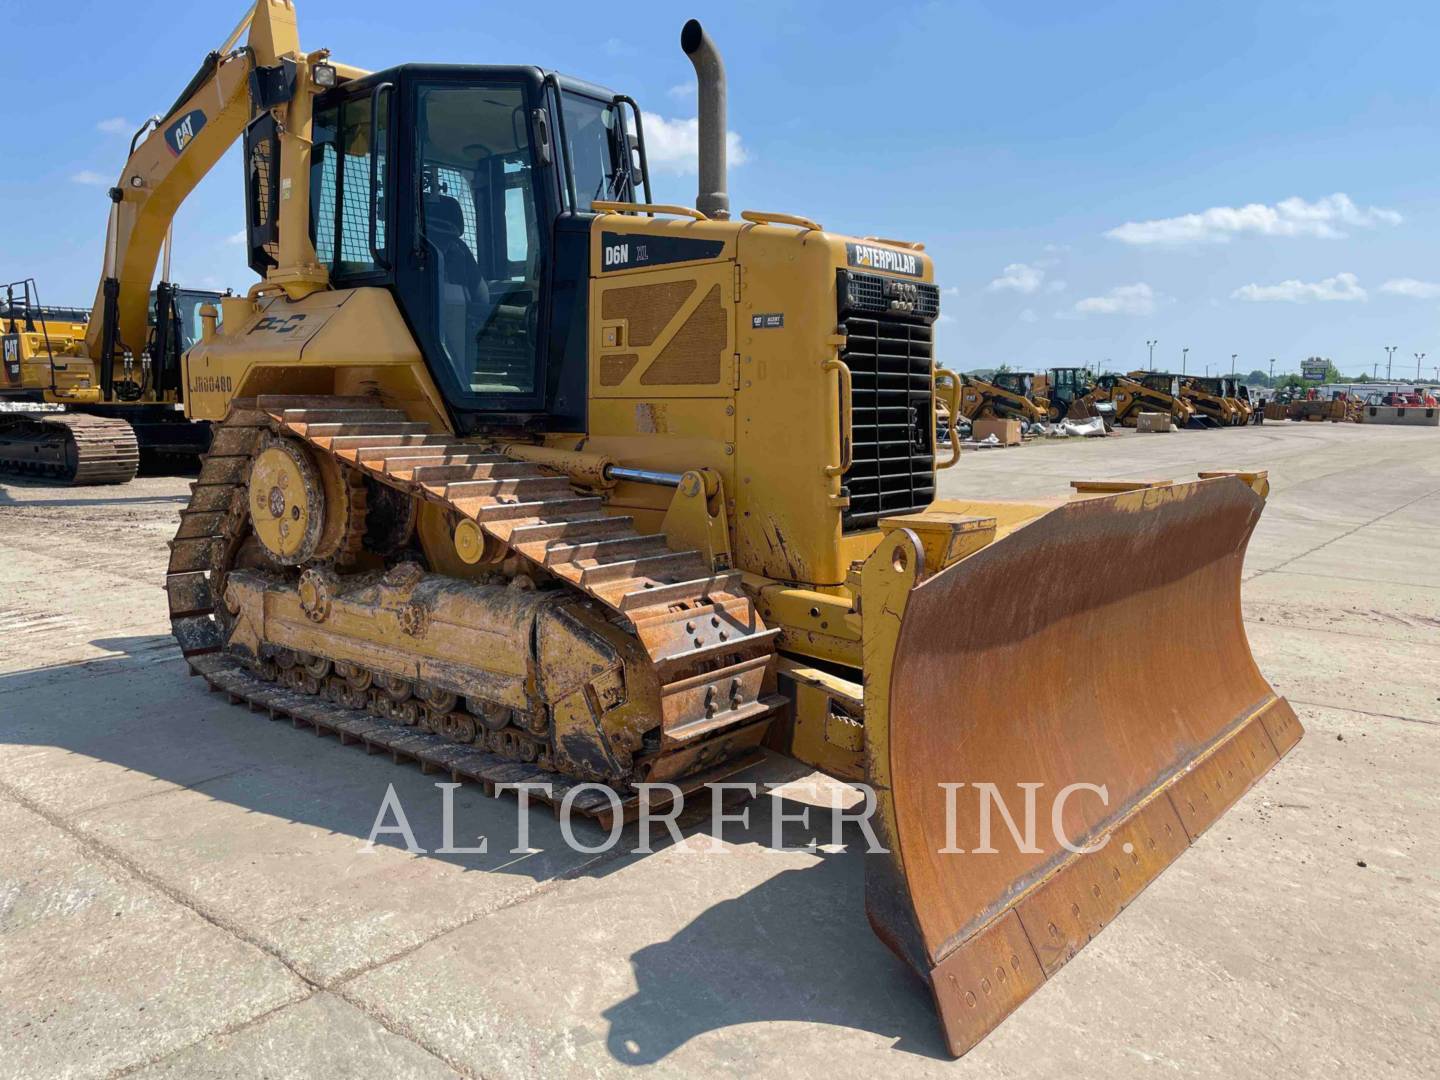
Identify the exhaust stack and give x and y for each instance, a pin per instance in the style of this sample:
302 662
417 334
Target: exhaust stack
713 200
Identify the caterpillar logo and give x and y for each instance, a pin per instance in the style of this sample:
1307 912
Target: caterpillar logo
886 260
179 134
12 350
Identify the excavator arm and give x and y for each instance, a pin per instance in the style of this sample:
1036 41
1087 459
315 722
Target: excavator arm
171 154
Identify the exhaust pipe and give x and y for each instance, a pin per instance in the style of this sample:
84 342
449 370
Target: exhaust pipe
713 200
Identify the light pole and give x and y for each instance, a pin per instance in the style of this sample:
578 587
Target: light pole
1233 355
1152 342
1272 371
1389 359
1418 357
1184 356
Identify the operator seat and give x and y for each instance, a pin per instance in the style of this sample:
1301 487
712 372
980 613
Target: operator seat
463 295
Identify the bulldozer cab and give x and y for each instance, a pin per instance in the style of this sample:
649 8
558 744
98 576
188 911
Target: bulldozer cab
467 192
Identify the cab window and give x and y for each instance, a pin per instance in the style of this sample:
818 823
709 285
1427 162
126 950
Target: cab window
597 151
479 229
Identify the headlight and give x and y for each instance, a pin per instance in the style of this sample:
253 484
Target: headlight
323 74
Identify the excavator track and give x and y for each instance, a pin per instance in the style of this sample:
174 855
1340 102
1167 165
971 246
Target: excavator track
709 650
73 448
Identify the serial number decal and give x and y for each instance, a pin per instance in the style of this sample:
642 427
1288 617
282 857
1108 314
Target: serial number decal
275 324
767 320
886 260
210 384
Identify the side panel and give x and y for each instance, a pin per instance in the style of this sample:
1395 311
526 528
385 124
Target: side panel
662 351
348 341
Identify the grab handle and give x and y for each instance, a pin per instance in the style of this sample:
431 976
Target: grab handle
847 418
952 411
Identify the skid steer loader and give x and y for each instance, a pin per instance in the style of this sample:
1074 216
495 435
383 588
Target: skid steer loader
1143 391
1211 399
1005 396
524 477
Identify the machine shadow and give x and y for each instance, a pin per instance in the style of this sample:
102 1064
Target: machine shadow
794 947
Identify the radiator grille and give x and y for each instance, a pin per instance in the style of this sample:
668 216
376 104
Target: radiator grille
893 470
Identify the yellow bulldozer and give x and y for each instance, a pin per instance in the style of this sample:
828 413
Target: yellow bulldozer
522 476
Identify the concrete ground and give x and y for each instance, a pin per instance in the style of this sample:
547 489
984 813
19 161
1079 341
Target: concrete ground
183 890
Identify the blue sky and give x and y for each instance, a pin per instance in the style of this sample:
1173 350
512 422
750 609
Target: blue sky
1253 178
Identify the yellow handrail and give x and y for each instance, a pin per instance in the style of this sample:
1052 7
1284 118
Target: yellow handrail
847 418
952 411
764 217
647 208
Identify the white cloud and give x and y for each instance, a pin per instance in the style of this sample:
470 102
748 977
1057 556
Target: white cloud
682 91
1290 217
673 146
1137 299
1339 287
90 177
236 238
1056 286
1407 286
1021 277
950 290
1029 316
615 47
115 125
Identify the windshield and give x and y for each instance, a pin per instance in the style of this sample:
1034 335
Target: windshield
597 151
481 233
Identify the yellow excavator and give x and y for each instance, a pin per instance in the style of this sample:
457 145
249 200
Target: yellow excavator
95 420
522 476
1006 395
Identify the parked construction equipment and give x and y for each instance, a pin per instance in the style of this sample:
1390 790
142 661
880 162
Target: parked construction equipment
1003 396
1142 391
1067 391
1212 400
524 477
112 412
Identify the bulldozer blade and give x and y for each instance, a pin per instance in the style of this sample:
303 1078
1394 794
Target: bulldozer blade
1133 676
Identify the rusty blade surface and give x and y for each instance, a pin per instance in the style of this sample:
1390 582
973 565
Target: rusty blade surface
1101 645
